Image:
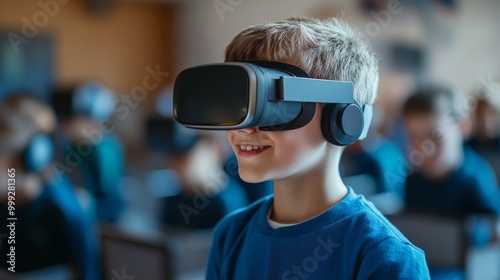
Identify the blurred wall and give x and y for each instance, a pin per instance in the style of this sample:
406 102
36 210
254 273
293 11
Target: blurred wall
462 42
205 32
466 48
114 46
120 44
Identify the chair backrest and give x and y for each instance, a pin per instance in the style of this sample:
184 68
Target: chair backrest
131 257
442 239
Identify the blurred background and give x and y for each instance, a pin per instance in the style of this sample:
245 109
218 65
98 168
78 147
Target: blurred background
104 173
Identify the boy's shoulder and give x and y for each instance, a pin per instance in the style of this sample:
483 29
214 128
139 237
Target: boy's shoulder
369 225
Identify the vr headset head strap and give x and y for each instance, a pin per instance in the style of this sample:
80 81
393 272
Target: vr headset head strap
308 109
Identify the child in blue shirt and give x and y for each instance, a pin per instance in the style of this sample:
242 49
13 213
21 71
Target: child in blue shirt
314 226
450 178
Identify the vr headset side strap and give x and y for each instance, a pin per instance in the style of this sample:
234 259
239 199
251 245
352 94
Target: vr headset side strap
293 89
318 91
308 109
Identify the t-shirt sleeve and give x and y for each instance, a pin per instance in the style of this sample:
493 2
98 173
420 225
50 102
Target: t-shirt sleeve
214 263
213 271
393 259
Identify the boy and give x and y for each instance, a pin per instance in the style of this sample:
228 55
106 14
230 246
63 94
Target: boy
451 179
314 227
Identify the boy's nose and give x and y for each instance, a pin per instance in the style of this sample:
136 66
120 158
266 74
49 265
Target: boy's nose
248 130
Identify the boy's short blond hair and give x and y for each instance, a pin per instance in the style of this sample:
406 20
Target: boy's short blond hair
325 49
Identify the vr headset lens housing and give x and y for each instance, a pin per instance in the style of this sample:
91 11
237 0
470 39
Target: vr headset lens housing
268 95
230 96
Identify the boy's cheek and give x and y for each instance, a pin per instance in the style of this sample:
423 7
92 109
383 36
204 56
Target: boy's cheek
230 137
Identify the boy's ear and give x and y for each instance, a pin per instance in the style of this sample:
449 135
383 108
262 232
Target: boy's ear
465 125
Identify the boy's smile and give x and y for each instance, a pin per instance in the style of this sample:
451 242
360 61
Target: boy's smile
250 150
271 155
246 147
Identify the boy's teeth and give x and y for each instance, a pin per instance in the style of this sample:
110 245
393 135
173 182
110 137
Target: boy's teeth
249 148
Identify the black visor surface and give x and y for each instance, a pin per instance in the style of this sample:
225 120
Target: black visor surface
218 97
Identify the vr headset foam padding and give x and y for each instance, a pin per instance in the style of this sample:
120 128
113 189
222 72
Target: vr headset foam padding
268 95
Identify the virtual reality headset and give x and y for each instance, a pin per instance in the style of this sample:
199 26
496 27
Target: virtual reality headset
272 96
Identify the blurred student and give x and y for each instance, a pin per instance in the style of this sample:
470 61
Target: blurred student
450 178
52 228
90 147
485 139
207 192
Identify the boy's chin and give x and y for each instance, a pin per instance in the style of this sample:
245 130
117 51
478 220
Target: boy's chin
252 177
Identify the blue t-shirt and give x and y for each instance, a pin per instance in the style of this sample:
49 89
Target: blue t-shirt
471 188
351 240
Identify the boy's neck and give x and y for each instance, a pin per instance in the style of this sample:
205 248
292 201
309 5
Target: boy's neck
305 196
